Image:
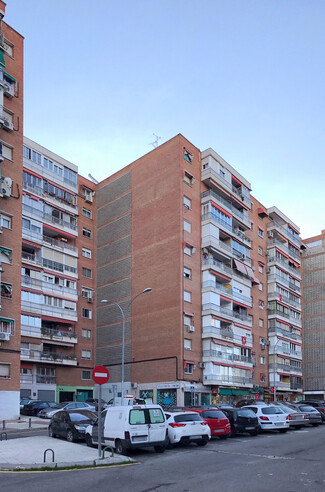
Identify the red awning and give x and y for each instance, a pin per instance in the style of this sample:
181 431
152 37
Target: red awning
57 320
31 172
219 274
61 232
283 373
241 267
262 211
252 276
189 314
221 209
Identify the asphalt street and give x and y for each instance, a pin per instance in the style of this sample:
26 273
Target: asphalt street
290 462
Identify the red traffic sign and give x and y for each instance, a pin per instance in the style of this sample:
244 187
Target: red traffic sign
100 375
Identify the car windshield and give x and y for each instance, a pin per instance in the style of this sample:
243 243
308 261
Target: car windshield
186 417
213 414
307 408
246 413
271 410
79 417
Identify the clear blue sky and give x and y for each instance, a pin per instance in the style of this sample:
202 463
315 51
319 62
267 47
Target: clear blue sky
245 77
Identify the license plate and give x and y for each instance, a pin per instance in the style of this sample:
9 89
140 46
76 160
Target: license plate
139 438
218 430
250 428
278 423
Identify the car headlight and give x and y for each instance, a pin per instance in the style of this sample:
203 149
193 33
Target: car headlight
80 428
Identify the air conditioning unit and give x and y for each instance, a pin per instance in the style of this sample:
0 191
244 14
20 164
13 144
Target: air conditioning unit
268 270
262 346
7 125
202 365
5 186
190 329
4 336
90 300
89 198
134 385
270 234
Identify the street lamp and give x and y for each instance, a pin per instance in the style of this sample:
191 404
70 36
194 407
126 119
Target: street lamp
105 301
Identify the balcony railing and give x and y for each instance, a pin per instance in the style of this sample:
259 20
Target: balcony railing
217 286
285 333
284 262
209 239
59 244
31 257
36 378
233 380
241 256
274 277
52 334
217 264
59 358
284 230
41 284
227 332
277 312
290 251
55 220
227 357
240 215
215 218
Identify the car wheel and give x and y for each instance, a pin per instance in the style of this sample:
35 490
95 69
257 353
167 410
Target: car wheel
89 441
223 437
297 426
283 431
168 444
232 433
120 447
70 437
159 449
315 425
204 442
51 433
254 433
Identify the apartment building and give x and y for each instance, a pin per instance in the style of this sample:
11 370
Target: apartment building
56 329
284 305
313 281
11 151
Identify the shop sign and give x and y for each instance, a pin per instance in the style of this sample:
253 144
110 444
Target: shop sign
167 385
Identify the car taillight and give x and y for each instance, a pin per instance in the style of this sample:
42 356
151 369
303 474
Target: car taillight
323 409
264 418
126 435
204 423
307 416
174 424
289 417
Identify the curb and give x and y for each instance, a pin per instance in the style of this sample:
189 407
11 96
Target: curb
68 465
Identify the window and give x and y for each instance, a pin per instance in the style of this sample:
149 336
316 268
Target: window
188 368
9 48
187 344
187 273
260 286
86 375
5 221
222 173
187 296
86 333
87 194
260 268
48 164
260 250
6 152
4 371
260 232
188 178
86 313
86 354
189 249
86 212
261 304
5 255
32 155
87 293
86 232
262 359
261 323
6 290
187 156
86 253
187 202
188 320
262 378
86 272
187 226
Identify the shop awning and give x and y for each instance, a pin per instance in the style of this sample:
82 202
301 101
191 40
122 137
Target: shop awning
225 391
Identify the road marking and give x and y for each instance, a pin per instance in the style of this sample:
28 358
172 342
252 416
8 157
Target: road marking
269 457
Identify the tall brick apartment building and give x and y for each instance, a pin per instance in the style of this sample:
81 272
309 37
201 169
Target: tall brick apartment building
11 157
313 276
184 224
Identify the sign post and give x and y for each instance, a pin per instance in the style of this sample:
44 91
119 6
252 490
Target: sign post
100 375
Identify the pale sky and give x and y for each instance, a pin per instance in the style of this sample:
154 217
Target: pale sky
245 77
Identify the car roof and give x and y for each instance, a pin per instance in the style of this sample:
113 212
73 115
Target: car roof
182 413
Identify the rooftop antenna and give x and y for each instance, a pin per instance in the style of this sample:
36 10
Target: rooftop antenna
93 179
155 142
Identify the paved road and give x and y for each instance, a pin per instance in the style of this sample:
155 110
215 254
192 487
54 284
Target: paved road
267 463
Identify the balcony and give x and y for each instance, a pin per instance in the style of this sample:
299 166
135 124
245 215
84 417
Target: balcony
216 244
59 267
39 215
53 311
284 333
50 241
223 356
241 256
291 252
214 218
38 379
284 230
34 189
279 350
293 320
227 380
67 337
296 386
274 277
49 358
237 213
275 296
284 263
226 332
210 307
217 265
30 258
243 317
41 285
210 284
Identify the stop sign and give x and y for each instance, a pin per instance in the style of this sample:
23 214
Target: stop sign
100 375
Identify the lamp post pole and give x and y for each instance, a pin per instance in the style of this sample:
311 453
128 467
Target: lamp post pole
105 301
275 368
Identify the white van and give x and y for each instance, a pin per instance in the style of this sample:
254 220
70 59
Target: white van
127 427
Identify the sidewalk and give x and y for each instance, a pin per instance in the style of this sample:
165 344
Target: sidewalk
28 452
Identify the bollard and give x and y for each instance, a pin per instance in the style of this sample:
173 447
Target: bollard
46 450
3 434
3 424
30 423
111 450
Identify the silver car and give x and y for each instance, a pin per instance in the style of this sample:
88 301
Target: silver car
47 413
296 418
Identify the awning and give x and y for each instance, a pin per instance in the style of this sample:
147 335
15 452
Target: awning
58 320
6 320
241 267
221 209
10 77
240 392
2 59
225 391
283 374
261 211
251 274
219 274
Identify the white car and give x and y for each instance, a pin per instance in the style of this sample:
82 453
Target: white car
186 427
270 417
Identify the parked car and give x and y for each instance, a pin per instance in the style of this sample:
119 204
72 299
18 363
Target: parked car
35 406
187 427
314 415
25 401
250 401
296 418
270 417
47 413
94 402
131 426
318 404
217 421
242 420
71 424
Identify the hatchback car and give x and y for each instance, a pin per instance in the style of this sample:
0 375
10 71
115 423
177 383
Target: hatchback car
318 404
217 421
34 407
94 402
187 427
296 418
67 405
270 417
314 415
242 420
71 424
25 401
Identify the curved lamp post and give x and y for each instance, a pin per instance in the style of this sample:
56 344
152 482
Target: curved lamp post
105 301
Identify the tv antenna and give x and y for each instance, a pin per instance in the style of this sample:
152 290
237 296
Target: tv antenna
155 142
92 179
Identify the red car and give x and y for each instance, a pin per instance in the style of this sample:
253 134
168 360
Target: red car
217 421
